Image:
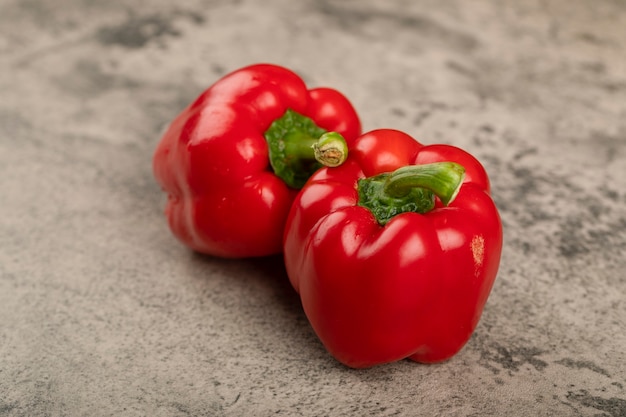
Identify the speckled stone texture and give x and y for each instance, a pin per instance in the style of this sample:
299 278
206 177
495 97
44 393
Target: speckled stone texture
104 313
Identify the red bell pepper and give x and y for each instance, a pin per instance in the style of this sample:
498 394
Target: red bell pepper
394 253
233 160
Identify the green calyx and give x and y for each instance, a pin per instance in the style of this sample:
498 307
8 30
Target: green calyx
410 189
298 148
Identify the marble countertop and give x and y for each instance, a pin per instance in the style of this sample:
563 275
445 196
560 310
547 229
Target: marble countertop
104 313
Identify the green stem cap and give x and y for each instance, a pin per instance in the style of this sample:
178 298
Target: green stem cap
298 148
410 188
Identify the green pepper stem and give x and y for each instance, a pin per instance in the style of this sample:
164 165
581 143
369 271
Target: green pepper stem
297 147
410 189
330 149
444 179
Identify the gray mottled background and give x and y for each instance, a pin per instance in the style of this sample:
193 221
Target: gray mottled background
103 313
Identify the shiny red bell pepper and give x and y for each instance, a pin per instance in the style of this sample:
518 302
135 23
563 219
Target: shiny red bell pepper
233 160
395 252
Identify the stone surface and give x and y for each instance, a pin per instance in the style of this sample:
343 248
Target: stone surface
103 313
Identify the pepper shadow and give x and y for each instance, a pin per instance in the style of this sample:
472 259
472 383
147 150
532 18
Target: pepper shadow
250 286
